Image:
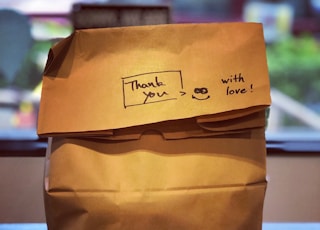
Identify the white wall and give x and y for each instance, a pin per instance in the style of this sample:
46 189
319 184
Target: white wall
293 193
21 182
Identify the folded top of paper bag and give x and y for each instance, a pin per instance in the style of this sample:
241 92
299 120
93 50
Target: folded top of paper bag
105 79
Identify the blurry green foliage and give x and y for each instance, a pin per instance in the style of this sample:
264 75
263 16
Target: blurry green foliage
294 67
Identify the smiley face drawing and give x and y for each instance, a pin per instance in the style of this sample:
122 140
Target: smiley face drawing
200 94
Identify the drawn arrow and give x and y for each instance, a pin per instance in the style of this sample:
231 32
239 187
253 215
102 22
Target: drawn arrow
182 93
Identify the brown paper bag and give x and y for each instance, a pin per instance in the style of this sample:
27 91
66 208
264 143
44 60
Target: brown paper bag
156 127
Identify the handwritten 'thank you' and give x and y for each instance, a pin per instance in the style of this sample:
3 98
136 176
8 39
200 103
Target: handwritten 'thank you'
151 87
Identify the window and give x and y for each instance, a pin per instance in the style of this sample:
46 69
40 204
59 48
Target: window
26 38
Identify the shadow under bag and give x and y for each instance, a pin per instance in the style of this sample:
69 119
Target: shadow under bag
156 127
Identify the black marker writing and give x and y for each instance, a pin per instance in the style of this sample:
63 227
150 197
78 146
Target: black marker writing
202 92
152 87
234 85
136 85
152 95
236 91
233 79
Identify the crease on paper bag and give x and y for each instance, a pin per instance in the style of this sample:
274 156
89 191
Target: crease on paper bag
224 72
156 127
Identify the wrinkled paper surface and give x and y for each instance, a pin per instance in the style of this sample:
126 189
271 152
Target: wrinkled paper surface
156 127
122 77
